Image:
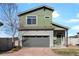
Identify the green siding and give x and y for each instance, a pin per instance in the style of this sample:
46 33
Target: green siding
41 20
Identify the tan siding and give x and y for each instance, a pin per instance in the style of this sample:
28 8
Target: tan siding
41 21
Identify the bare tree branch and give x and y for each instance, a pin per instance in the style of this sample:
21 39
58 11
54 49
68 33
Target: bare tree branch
9 15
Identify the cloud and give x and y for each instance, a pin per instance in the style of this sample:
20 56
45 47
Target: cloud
70 34
73 20
75 27
3 34
77 15
55 14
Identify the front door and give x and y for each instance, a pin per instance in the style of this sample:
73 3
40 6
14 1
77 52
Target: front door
58 40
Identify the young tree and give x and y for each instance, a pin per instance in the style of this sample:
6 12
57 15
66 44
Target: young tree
8 13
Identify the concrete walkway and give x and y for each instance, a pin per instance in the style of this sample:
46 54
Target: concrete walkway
32 52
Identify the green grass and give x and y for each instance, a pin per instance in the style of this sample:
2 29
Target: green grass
67 52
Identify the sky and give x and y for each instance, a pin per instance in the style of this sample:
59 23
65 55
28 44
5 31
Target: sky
66 14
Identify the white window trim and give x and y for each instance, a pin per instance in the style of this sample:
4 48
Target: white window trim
32 24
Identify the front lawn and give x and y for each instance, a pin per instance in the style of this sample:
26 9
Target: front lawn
67 51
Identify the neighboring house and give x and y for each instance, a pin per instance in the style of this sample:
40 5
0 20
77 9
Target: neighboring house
38 30
74 40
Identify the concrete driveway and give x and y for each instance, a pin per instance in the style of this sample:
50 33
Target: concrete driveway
32 52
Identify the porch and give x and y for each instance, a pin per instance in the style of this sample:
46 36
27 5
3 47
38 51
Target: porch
60 38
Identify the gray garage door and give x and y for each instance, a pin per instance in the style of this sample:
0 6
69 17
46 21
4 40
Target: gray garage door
35 41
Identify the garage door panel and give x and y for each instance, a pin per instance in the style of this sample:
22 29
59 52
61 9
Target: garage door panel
36 41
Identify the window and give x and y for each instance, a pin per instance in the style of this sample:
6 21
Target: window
31 19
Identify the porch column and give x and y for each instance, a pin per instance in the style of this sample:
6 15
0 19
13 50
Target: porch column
51 39
66 37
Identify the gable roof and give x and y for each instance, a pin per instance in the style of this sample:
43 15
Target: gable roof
36 8
59 25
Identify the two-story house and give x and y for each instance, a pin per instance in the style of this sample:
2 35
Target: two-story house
38 30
